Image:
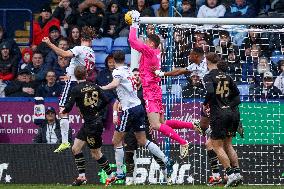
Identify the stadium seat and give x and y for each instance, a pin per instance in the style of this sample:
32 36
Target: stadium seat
155 8
102 45
176 90
128 59
276 58
244 89
100 60
121 43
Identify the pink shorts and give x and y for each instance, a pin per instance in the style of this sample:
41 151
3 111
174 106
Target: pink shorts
154 106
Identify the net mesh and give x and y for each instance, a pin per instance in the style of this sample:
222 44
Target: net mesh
250 52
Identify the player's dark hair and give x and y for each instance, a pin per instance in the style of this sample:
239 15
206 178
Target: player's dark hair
119 57
198 50
222 65
88 33
135 70
155 39
80 72
213 58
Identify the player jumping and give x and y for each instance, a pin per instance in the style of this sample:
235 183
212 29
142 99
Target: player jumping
90 101
224 119
133 115
150 60
81 55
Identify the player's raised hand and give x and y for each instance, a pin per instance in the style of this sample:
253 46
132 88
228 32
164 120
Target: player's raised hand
46 40
159 73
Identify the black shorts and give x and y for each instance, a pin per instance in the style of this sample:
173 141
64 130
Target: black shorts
91 134
224 123
132 118
130 142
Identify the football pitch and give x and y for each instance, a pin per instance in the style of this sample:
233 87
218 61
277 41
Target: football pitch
41 186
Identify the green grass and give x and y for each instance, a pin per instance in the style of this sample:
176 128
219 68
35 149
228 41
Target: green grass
41 186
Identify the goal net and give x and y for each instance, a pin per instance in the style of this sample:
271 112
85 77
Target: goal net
254 53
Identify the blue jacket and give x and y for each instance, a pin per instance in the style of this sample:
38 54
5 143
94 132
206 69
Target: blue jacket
39 73
45 91
245 11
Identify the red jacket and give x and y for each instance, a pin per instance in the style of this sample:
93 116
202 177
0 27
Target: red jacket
39 33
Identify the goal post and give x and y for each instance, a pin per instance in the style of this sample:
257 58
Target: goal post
260 152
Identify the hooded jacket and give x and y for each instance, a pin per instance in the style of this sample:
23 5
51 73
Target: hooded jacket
115 19
14 49
207 12
244 11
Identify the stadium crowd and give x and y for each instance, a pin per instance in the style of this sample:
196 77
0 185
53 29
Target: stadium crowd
255 57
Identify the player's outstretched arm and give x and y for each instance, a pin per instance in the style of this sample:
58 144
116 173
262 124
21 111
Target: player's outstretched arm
58 51
115 82
175 72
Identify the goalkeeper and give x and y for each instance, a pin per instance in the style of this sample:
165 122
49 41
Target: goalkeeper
152 93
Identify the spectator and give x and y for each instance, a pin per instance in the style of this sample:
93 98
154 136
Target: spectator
61 12
240 9
54 36
51 58
225 45
105 76
142 6
188 9
27 55
263 66
194 88
267 90
113 21
74 37
89 13
234 66
203 43
279 81
8 64
42 25
49 130
211 9
22 86
50 88
257 38
37 68
163 11
60 68
14 50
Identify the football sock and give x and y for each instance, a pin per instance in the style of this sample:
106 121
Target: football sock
80 163
169 132
119 156
176 124
104 164
64 128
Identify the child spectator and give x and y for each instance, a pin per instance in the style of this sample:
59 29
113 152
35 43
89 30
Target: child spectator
211 9
27 55
74 37
188 9
163 11
42 25
113 21
8 64
50 88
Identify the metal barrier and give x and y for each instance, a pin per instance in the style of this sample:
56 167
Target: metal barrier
4 20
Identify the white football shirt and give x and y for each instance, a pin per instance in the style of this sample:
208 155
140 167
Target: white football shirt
84 56
126 90
201 69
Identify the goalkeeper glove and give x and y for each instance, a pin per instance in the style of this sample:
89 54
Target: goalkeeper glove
135 15
159 73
